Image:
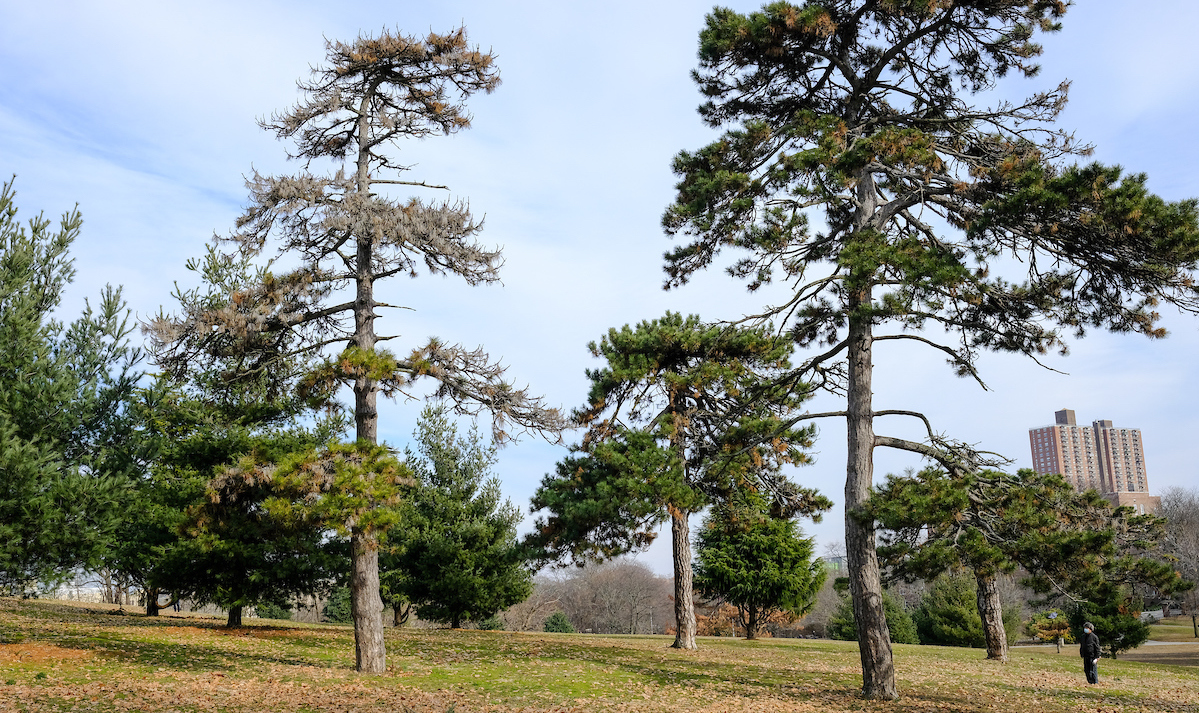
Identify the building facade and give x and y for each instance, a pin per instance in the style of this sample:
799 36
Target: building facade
1098 457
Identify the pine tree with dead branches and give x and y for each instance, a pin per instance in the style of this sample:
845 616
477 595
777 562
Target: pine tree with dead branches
344 234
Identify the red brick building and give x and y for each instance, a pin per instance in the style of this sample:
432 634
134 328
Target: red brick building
1098 457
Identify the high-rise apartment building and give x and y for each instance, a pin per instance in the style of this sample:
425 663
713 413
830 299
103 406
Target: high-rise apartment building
1100 457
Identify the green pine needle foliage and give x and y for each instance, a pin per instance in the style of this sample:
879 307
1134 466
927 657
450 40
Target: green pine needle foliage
843 626
948 614
337 609
757 563
672 400
273 610
455 556
557 623
1116 614
68 446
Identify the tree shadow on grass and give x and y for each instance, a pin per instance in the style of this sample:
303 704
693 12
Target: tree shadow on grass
837 685
130 637
665 668
191 657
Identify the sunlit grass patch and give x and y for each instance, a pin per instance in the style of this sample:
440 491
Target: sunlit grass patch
89 661
1178 628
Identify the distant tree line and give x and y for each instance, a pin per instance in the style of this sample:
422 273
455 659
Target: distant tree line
618 597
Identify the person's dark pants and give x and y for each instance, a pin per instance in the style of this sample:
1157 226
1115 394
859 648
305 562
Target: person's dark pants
1091 668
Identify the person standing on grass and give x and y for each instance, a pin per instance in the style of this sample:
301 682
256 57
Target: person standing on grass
1089 650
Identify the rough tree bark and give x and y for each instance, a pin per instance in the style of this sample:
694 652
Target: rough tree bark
680 534
234 619
865 582
366 413
990 608
152 605
366 608
684 599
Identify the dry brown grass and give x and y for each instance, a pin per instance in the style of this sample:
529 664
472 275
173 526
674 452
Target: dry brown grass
89 661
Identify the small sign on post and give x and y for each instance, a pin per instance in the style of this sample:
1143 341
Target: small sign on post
1058 640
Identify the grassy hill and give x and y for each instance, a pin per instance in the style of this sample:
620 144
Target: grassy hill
60 657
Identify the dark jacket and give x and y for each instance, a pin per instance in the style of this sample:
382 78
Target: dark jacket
1090 647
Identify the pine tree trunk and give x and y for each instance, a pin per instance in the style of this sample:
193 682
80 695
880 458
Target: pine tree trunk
366 607
234 618
684 603
990 609
865 582
366 415
365 603
152 608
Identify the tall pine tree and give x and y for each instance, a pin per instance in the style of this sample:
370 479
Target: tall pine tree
67 446
857 167
347 235
680 413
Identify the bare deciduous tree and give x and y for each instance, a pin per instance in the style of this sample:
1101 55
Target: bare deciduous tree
616 597
530 615
1180 507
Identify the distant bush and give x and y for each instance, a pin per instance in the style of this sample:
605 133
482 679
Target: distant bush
337 609
557 623
1045 627
491 623
948 614
273 610
843 626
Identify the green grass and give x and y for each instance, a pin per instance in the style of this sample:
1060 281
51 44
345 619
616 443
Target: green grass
57 657
1176 628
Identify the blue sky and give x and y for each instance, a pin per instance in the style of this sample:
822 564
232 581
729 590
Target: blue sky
143 113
